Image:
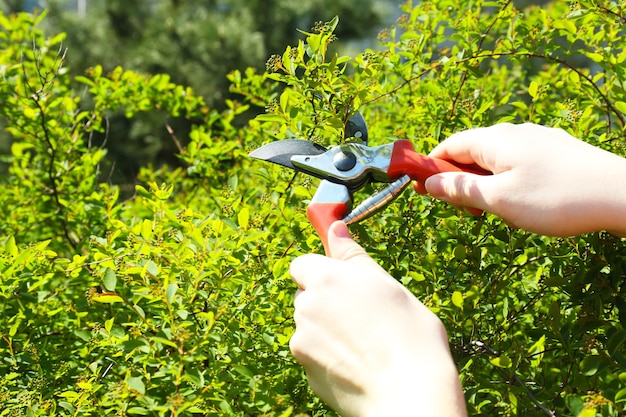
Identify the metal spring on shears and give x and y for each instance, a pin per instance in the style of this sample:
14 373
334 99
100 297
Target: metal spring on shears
377 201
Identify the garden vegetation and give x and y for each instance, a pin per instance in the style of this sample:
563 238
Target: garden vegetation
173 298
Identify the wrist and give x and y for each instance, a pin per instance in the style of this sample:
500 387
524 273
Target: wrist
429 389
611 201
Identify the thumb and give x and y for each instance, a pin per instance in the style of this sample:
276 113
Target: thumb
459 188
341 245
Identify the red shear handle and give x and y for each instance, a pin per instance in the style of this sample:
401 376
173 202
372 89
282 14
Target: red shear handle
405 161
330 203
322 215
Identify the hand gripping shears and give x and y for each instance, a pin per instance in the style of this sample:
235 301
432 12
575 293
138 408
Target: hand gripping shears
348 167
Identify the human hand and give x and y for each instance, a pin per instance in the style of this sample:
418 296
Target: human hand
545 180
369 347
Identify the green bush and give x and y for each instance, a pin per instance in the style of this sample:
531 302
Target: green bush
174 298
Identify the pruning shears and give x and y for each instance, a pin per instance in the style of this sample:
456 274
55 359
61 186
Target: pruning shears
350 166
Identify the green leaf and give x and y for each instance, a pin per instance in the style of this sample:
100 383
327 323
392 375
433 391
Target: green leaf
513 400
139 410
589 365
502 361
243 371
136 384
575 404
538 346
566 25
536 351
460 252
164 341
233 182
107 298
621 106
243 218
142 191
457 299
595 56
588 412
15 327
66 405
170 292
10 246
616 342
151 268
225 407
314 42
146 229
270 117
287 413
620 396
287 61
110 279
85 80
332 24
69 394
280 268
533 88
109 324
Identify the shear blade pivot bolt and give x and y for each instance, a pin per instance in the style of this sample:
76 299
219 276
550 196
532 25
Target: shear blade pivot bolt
344 161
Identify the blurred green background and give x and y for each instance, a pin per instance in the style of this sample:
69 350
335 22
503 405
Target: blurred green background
197 43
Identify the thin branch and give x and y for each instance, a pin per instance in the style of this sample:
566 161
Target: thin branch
174 138
619 16
478 48
478 55
532 397
610 108
489 350
35 97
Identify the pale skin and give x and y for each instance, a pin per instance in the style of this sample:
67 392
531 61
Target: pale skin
545 180
369 347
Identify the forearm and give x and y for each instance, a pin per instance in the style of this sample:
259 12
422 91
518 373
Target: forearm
421 379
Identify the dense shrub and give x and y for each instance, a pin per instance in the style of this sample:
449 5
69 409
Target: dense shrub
174 298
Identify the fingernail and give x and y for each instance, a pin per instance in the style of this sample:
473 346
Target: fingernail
434 186
340 230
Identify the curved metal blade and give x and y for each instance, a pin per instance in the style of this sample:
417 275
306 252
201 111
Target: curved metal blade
356 128
281 151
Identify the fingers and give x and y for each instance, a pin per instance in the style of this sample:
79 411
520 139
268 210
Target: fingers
463 189
341 248
341 245
461 147
306 268
477 146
